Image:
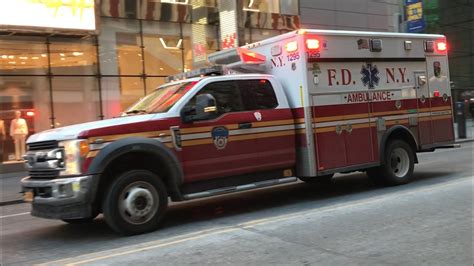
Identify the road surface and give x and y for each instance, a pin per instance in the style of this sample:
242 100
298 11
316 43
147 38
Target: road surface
348 222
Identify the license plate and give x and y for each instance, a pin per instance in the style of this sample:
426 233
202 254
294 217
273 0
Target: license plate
28 196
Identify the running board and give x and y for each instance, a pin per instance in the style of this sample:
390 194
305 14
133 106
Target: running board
225 190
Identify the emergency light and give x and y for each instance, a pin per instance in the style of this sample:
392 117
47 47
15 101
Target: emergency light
291 46
441 46
312 44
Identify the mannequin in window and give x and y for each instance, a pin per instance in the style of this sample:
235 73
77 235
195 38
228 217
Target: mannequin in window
18 131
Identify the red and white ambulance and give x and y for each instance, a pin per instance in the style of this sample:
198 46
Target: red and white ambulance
306 104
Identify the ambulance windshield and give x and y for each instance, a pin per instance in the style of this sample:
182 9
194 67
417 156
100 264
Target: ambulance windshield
161 100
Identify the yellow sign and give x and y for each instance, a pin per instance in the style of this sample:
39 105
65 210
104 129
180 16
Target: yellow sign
414 11
60 14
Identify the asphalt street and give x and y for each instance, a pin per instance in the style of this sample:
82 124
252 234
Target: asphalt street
348 222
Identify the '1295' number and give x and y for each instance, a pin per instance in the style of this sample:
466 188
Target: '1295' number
293 57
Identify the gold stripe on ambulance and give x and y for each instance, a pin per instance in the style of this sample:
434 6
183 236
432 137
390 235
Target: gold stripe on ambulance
146 134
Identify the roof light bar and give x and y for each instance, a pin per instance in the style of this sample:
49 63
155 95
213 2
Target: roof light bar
207 71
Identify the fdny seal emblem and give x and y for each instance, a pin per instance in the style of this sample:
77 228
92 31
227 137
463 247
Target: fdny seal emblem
258 116
219 136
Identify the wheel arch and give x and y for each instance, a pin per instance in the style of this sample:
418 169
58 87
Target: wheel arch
136 152
398 132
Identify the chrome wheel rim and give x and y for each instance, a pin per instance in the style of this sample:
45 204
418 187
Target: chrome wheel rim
138 202
400 162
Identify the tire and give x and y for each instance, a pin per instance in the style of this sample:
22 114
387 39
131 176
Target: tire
397 167
317 179
81 220
135 202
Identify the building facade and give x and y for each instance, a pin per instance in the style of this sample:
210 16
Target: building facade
59 77
358 15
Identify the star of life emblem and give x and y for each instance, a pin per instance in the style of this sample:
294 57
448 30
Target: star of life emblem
370 76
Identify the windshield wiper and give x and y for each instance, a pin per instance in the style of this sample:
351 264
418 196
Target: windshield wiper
138 111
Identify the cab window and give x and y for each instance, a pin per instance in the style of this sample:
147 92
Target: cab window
227 94
258 94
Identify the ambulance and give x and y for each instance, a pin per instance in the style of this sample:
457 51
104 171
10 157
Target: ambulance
299 106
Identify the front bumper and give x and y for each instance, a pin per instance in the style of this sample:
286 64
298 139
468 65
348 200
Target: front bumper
62 198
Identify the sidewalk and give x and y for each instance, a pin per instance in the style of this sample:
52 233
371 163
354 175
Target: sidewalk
10 188
469 131
10 182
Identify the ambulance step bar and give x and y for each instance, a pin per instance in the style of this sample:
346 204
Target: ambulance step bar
225 190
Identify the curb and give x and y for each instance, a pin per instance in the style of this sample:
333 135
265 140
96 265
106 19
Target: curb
11 202
459 141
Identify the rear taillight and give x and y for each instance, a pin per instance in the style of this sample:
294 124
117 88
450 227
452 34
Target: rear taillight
441 46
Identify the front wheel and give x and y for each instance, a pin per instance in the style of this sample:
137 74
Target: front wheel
398 165
135 202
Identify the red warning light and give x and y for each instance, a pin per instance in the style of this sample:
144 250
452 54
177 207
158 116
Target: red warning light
312 44
441 46
30 113
436 94
291 46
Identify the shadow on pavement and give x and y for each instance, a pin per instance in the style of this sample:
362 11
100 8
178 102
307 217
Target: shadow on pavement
286 198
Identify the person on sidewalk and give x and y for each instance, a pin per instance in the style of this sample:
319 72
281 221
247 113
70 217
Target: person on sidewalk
3 136
19 131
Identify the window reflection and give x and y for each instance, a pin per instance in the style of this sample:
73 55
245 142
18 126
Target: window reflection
75 95
18 56
163 48
131 90
119 47
68 56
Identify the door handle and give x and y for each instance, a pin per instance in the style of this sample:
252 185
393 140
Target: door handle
245 125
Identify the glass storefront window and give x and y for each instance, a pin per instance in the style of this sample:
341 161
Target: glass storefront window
289 7
72 56
163 48
72 96
119 47
198 41
131 90
153 83
265 6
30 96
23 55
255 35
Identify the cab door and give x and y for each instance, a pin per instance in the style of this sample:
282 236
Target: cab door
212 148
424 108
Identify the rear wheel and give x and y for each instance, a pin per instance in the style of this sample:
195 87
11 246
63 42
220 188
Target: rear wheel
135 202
398 165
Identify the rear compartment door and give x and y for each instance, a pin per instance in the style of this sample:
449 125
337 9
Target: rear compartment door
440 99
424 108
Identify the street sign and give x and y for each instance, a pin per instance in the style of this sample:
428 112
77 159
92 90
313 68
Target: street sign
414 15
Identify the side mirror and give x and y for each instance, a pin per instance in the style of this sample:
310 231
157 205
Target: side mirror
205 108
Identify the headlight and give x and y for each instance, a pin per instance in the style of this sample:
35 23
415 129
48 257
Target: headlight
75 152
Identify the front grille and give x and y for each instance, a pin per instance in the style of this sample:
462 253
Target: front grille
43 174
43 145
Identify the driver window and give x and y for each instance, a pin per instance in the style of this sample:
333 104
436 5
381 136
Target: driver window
227 95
